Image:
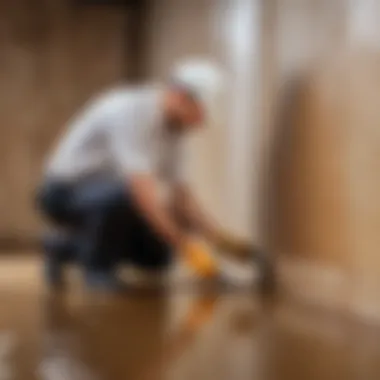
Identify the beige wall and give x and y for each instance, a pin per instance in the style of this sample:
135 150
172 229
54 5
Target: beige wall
53 58
180 29
305 38
326 210
222 167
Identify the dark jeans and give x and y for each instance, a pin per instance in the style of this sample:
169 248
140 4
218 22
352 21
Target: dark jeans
102 224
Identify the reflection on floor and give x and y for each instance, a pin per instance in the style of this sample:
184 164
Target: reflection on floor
80 336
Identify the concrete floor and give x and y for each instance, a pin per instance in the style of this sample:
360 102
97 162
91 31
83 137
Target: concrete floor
184 335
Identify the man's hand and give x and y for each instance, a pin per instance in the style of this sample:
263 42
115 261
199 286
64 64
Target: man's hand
199 258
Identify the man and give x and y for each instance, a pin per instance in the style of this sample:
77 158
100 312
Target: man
102 182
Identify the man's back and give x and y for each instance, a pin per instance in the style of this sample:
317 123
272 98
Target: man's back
99 136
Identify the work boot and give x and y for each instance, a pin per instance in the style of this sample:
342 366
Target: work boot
53 271
59 249
103 280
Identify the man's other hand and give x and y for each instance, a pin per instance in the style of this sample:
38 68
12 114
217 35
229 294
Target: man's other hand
199 258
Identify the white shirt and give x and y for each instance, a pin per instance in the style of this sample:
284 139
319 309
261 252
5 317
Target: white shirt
119 133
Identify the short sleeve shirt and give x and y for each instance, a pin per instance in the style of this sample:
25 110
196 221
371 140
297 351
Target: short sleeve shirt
120 133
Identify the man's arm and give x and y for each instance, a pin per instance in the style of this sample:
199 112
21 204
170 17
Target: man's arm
189 208
144 193
133 147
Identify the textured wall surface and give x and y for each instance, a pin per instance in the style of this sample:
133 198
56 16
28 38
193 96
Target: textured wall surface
53 57
326 215
301 126
179 29
224 157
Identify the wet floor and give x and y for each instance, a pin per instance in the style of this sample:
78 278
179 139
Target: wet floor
183 335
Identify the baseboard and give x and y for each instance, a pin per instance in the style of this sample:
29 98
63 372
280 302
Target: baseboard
328 287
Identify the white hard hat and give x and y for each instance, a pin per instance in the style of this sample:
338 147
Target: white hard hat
203 78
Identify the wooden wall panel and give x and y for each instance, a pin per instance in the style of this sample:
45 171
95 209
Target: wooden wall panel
53 57
312 188
327 214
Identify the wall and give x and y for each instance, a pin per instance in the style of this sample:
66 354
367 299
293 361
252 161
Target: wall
222 155
53 57
326 205
309 165
179 29
305 38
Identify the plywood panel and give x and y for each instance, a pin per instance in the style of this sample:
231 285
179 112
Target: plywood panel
327 193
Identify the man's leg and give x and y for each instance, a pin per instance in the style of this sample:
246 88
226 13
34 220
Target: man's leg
57 243
59 248
101 206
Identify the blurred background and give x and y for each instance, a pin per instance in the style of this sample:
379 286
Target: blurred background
293 164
